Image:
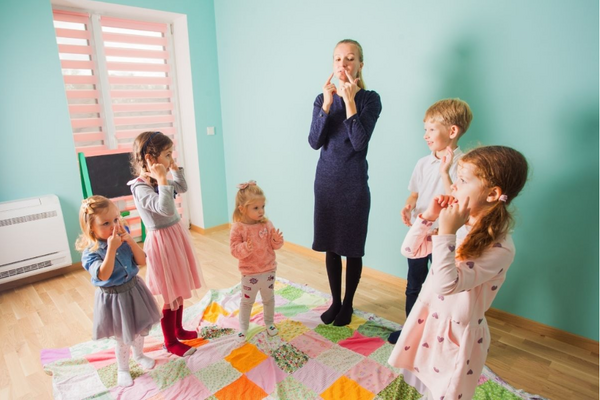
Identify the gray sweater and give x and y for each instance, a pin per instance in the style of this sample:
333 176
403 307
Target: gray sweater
158 210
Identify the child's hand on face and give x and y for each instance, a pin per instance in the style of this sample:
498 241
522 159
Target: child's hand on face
174 166
157 171
446 161
249 244
436 206
114 240
125 236
453 217
406 211
276 235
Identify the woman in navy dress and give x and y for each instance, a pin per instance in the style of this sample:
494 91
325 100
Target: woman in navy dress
344 118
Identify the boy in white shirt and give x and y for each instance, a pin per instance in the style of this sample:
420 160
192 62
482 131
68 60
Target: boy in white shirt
445 122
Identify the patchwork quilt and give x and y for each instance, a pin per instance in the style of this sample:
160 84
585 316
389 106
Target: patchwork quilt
306 360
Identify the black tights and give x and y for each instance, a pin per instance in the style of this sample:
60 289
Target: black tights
341 313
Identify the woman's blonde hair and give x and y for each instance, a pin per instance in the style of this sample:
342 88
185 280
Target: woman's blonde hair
248 193
507 169
90 207
361 82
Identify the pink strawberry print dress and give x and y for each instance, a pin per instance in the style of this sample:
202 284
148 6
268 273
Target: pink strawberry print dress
445 339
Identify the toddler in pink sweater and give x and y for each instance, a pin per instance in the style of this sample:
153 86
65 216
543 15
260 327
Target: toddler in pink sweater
253 241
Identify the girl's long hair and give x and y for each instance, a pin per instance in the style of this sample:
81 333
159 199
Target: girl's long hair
152 143
496 166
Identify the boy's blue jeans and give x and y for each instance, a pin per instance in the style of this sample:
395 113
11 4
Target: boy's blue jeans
417 272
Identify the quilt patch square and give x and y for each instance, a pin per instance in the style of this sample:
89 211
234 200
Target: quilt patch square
267 375
289 358
371 375
316 376
339 358
166 374
334 333
288 329
361 344
218 375
246 357
346 389
311 343
291 389
241 388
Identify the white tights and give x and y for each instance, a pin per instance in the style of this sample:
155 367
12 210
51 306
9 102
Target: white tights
122 355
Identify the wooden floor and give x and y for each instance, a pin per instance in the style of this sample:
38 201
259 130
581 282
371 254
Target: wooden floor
57 312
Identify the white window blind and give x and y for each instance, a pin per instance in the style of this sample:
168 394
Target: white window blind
119 80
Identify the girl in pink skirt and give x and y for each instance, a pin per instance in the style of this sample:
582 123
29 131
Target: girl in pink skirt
172 269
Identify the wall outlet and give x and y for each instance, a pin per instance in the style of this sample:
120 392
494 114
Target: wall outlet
210 131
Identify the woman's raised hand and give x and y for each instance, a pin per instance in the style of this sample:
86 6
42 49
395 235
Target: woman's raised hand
328 90
348 89
453 217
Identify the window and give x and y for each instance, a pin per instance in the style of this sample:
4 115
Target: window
119 81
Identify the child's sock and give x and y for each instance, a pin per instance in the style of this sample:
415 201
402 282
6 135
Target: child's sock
124 378
173 345
139 356
181 333
122 355
272 330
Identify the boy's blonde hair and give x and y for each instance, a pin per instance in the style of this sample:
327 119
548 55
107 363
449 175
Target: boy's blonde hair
451 112
90 207
248 192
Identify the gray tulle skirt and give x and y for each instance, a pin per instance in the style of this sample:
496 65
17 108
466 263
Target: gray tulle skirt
124 311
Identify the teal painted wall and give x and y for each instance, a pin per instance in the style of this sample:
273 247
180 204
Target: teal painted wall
529 70
39 154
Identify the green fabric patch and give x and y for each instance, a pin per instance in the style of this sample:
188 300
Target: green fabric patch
492 391
108 374
291 293
218 375
334 333
371 329
213 332
291 309
399 389
167 374
289 358
291 389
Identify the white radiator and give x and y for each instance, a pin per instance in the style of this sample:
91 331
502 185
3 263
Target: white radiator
33 238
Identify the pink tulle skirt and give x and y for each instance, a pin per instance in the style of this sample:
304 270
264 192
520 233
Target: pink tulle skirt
172 272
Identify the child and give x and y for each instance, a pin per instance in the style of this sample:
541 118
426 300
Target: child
253 241
445 123
446 336
123 307
172 268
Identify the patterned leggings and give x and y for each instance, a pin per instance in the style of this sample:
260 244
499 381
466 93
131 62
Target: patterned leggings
251 285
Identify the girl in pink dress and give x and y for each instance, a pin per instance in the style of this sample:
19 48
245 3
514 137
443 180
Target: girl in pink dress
172 269
445 339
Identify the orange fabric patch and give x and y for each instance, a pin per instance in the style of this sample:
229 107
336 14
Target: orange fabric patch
213 312
195 342
246 357
243 388
346 389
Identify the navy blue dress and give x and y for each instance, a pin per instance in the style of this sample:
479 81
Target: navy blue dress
342 196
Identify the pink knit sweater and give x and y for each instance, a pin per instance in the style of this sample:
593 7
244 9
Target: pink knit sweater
262 256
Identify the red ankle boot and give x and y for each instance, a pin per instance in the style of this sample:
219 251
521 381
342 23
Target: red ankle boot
181 333
173 345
